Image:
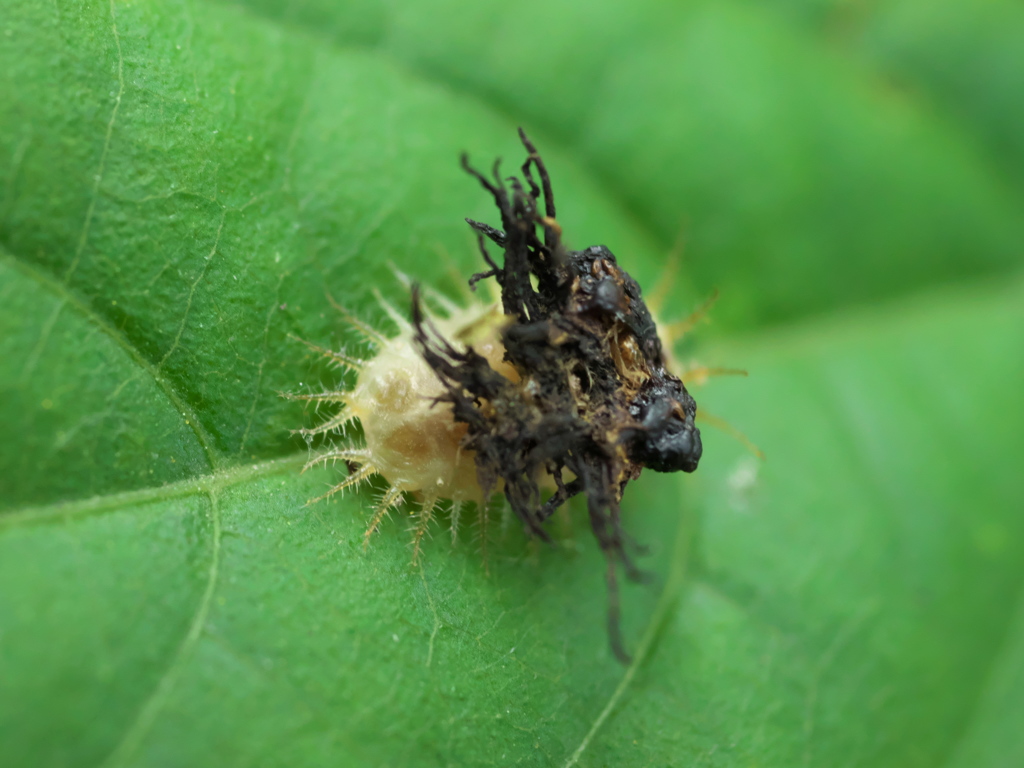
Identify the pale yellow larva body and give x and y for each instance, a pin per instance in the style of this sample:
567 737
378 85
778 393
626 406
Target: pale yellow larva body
412 441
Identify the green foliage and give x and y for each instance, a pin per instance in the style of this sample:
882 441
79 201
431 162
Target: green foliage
179 184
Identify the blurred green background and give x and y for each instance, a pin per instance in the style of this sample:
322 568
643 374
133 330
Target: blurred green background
181 181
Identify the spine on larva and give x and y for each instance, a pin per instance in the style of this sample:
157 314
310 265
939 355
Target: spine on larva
411 439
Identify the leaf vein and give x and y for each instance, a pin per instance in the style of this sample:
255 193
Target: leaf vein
90 211
262 364
192 291
673 584
143 722
97 505
68 298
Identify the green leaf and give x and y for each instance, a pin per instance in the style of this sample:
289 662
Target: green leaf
798 180
181 183
962 61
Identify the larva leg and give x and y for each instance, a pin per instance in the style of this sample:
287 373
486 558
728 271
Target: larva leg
370 334
701 373
396 317
456 513
317 397
729 429
680 328
392 498
484 512
339 357
351 481
338 421
356 455
424 518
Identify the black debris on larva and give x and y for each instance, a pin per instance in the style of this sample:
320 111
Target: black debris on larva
594 404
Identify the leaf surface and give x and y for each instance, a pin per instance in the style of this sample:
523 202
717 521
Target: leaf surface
181 186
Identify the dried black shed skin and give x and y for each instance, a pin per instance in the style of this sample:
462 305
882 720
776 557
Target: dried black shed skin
594 398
